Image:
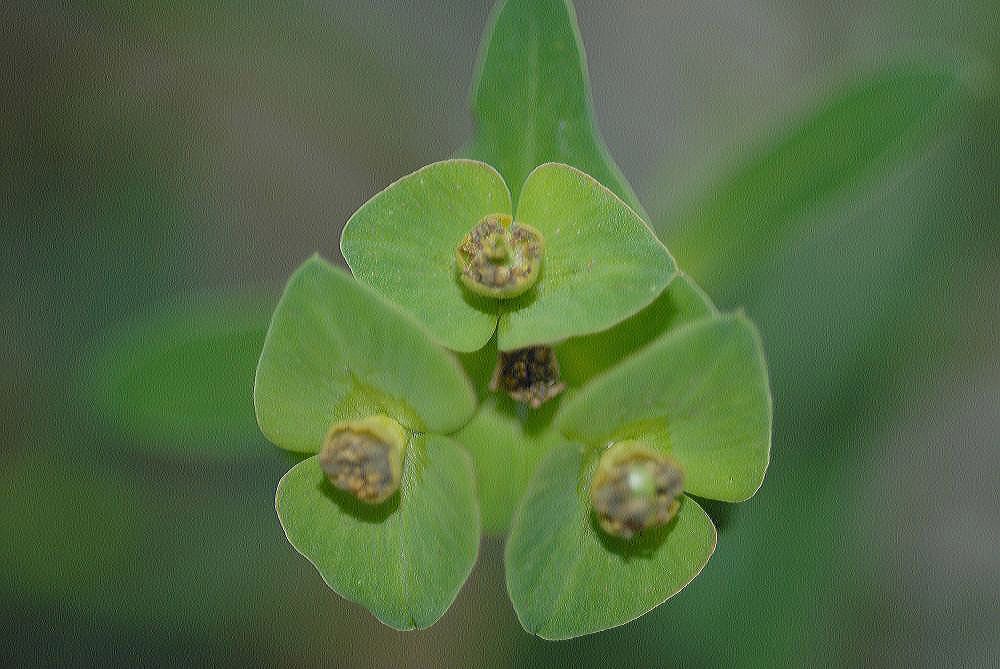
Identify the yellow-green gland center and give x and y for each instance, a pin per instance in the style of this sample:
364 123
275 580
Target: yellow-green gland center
365 457
635 488
500 257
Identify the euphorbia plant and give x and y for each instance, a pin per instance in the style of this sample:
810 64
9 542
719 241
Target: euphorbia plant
174 379
599 389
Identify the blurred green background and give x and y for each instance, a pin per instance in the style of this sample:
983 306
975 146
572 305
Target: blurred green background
160 155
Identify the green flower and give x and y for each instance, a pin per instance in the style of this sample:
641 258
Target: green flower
697 398
338 361
601 262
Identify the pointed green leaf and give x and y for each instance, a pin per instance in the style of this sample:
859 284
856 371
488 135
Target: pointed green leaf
582 358
867 128
567 578
337 351
701 393
404 560
531 99
506 440
602 262
402 243
181 375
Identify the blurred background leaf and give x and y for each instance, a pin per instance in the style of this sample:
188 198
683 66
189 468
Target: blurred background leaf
179 376
859 134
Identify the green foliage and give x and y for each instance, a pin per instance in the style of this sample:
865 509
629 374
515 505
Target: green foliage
404 560
531 99
336 352
775 233
644 353
698 393
174 376
582 358
766 200
602 262
506 442
402 243
644 363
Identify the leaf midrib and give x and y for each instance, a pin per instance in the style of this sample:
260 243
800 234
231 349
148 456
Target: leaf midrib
531 127
569 574
403 509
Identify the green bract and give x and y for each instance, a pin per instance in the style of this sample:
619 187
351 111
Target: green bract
336 352
567 578
698 393
405 560
582 358
602 262
507 441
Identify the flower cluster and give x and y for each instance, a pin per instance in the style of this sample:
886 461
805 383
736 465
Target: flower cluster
362 372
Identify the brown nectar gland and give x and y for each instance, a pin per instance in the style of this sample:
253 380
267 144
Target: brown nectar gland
500 257
635 488
365 457
529 375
